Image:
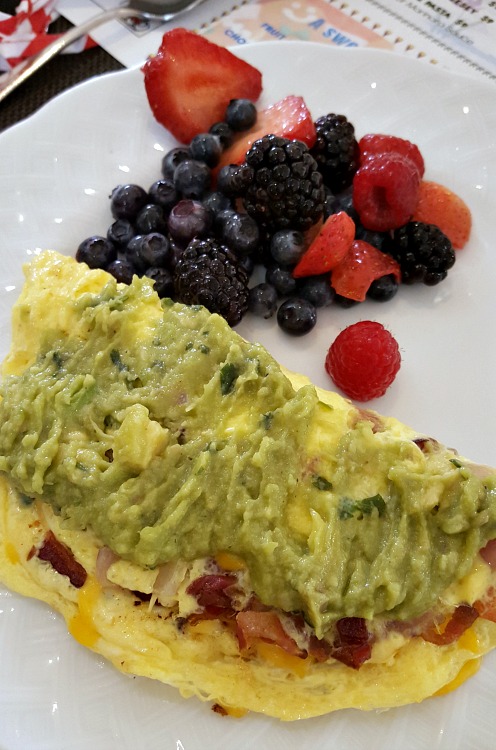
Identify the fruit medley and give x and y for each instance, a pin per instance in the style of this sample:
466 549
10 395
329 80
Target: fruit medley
329 218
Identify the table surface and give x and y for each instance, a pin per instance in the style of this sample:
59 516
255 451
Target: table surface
58 75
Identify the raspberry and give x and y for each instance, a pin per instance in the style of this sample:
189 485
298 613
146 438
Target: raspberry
385 191
440 206
363 360
377 143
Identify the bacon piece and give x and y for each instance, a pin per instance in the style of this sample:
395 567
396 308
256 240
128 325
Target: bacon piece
267 627
319 650
62 560
488 553
210 590
486 607
353 645
426 445
461 619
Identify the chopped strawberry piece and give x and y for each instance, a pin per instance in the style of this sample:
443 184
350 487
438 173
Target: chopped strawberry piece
440 206
265 626
378 143
288 118
362 265
190 82
461 619
386 191
328 248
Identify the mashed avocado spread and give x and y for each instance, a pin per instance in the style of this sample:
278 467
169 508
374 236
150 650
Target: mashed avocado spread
158 427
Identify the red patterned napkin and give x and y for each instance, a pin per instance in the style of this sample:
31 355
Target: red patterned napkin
26 33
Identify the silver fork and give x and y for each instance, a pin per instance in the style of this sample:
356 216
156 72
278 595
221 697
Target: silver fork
150 10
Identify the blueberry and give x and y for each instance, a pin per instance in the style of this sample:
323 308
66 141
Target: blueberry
344 202
262 300
176 251
133 253
172 159
207 148
331 204
241 114
127 200
383 289
155 250
96 252
221 219
122 270
151 218
367 235
287 246
345 302
233 179
120 232
189 219
282 279
248 263
163 282
317 290
192 179
297 316
164 194
224 133
241 234
216 201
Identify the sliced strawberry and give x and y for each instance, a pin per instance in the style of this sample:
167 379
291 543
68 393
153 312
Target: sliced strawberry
190 81
328 248
363 264
379 143
288 118
440 206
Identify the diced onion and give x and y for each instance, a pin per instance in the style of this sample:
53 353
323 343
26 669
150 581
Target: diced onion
168 579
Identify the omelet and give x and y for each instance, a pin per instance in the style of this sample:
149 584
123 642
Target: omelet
201 516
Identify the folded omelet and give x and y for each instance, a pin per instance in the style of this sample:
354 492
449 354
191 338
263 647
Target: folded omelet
200 516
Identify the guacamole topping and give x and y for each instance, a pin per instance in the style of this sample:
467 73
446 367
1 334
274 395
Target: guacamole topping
158 427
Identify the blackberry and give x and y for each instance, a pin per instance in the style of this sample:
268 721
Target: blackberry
287 189
208 273
424 252
336 151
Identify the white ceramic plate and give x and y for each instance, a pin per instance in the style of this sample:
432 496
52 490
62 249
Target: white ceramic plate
57 170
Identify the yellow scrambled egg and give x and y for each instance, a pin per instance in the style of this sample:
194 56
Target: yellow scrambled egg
203 659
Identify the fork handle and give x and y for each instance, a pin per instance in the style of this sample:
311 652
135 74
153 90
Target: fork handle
13 78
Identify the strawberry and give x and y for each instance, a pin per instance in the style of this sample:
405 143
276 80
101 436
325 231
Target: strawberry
328 248
362 265
440 206
190 82
288 118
